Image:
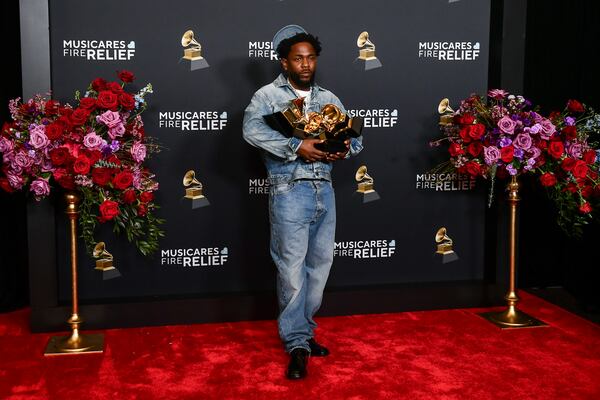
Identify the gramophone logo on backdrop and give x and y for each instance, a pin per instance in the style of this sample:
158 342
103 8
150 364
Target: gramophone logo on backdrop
99 50
193 121
192 53
194 190
194 257
366 59
365 248
449 51
258 186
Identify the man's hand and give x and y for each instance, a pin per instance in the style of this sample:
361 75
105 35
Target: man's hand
308 151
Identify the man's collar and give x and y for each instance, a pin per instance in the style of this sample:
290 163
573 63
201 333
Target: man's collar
282 81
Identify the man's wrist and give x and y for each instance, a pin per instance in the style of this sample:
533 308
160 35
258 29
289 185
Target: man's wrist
295 143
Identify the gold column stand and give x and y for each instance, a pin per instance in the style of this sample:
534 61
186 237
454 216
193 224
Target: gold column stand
76 343
512 317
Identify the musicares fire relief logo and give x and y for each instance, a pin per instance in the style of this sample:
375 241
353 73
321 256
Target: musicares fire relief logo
193 121
262 49
365 248
449 51
376 118
195 257
445 182
99 50
258 186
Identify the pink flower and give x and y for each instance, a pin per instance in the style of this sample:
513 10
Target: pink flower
40 188
491 154
93 141
109 118
507 125
116 131
575 150
548 129
138 152
22 160
15 180
38 139
497 94
6 146
522 141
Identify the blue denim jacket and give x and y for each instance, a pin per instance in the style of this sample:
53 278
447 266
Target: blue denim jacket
279 152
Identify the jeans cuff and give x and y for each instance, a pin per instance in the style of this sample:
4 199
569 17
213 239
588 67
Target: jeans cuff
307 348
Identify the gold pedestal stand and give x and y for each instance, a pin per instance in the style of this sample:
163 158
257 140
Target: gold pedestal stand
512 317
76 343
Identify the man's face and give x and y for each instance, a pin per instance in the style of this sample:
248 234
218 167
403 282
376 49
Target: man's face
300 65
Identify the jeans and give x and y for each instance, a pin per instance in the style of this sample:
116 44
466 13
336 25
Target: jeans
302 214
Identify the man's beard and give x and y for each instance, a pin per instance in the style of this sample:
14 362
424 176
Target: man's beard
295 78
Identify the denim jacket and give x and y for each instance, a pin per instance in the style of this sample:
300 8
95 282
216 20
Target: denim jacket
279 152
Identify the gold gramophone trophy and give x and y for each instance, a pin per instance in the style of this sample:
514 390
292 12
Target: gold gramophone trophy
104 262
446 112
444 246
365 185
193 52
193 190
366 54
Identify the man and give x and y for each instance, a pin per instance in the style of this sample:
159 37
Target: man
301 200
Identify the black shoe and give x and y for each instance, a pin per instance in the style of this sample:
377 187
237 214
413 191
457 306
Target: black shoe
316 350
298 363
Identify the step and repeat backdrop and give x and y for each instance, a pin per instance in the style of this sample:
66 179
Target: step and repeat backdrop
426 50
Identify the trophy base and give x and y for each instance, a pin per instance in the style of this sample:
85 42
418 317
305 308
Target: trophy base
87 343
201 202
447 257
368 64
512 318
367 197
109 273
194 64
332 146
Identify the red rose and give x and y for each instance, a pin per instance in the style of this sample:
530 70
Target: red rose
126 76
101 176
585 208
128 196
127 101
570 132
51 107
542 144
59 155
587 191
65 122
114 87
589 156
473 168
79 116
568 164
122 180
65 180
571 187
54 131
87 103
475 148
575 106
548 179
6 129
142 210
108 210
464 134
81 165
556 149
5 185
99 84
92 155
146 197
108 100
554 115
476 131
455 150
580 169
507 153
114 160
466 119
541 160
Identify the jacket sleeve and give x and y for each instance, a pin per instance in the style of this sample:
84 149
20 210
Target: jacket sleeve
259 134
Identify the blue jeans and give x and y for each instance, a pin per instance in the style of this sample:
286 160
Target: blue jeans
302 214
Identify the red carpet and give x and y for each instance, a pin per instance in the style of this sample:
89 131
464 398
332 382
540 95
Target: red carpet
450 354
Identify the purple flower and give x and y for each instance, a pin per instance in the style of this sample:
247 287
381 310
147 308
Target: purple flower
114 145
93 141
548 129
534 152
116 131
522 141
497 94
575 150
109 118
511 170
138 152
570 121
529 165
40 188
519 153
536 117
507 125
491 154
504 142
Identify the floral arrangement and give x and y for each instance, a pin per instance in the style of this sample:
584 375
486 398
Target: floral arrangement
503 135
96 148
